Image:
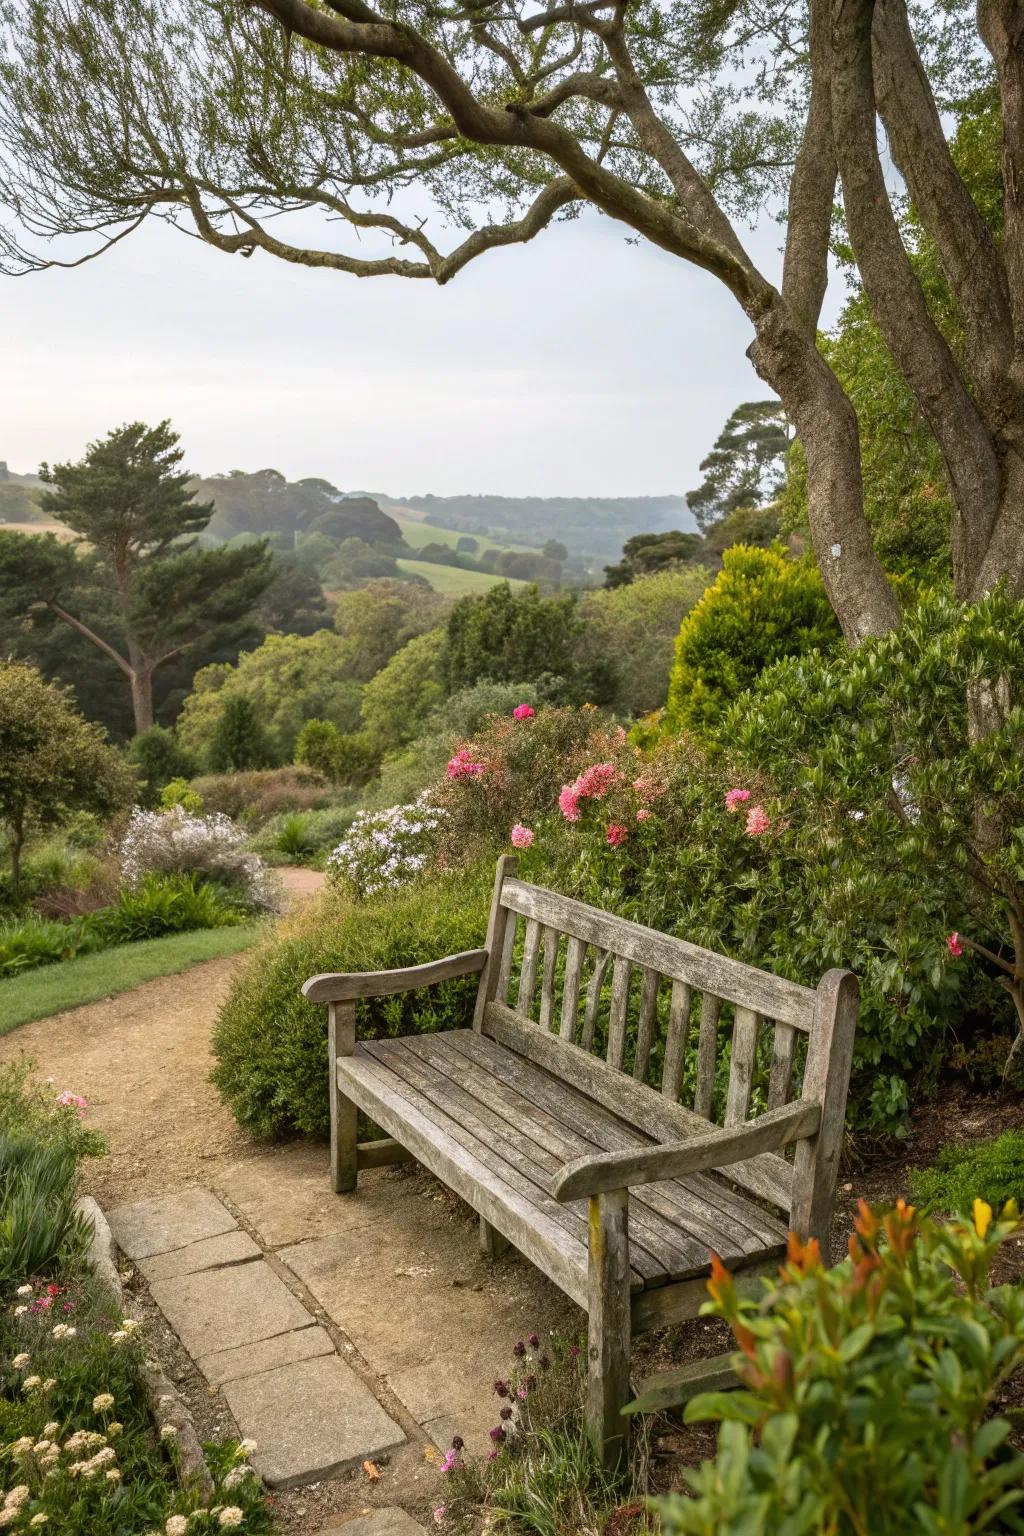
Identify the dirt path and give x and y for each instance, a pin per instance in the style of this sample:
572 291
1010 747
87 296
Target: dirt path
143 1061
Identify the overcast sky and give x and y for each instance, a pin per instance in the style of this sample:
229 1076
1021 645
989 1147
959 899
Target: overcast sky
577 365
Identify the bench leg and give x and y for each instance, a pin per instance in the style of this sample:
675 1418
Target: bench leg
341 1041
608 1341
492 1243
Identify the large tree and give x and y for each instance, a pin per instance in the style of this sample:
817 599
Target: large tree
744 468
133 561
674 119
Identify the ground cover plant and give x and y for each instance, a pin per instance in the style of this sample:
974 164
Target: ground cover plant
80 1453
992 1170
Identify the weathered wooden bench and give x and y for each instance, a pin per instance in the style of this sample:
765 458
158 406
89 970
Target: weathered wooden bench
522 1119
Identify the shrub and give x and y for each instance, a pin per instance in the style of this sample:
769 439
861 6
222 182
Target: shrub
504 635
255 797
869 1391
36 941
160 757
469 710
31 1107
761 607
271 1044
168 903
634 628
177 792
988 1170
240 740
173 842
397 701
303 835
39 1226
385 849
346 759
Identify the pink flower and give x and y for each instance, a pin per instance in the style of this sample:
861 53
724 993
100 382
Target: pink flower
523 712
569 802
451 1461
461 766
616 834
642 815
954 945
735 798
595 782
68 1100
439 1513
758 821
521 837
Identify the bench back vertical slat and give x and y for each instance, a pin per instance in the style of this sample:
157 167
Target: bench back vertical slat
622 971
500 923
575 950
528 970
645 1024
547 984
602 960
707 1054
745 1030
676 1039
780 1075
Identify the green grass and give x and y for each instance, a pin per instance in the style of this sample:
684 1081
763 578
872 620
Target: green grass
53 988
417 534
452 581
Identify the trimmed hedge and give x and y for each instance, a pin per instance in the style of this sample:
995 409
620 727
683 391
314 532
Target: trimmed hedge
271 1045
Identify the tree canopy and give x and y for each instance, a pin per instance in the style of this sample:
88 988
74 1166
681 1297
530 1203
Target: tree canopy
744 468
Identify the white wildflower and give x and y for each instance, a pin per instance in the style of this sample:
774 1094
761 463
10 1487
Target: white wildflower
30 1383
20 1361
230 1517
23 1290
167 1432
102 1401
177 1525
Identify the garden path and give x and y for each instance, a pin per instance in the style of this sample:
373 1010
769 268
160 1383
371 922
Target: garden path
417 1322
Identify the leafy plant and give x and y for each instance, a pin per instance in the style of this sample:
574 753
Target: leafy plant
175 842
295 836
178 792
39 1226
160 758
385 849
36 941
869 1390
987 1170
175 903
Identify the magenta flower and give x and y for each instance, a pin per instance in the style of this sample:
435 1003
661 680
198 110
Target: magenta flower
616 834
595 782
451 1462
520 836
954 945
68 1100
461 766
497 1434
523 712
758 821
569 802
533 1341
734 798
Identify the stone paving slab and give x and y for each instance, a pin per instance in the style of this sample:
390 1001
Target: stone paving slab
251 1359
377 1522
220 1309
310 1420
209 1253
170 1221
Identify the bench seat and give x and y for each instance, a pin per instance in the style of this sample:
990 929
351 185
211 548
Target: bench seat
497 1128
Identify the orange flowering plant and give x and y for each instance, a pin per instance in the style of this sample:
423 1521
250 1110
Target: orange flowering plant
869 1390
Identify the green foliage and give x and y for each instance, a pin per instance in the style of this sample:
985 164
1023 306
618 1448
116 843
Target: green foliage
39 1226
240 741
506 636
32 941
30 1107
301 837
295 836
762 606
160 758
377 620
645 554
743 469
256 796
346 759
869 1391
162 904
288 680
745 525
399 699
987 1170
52 763
633 629
270 1043
178 792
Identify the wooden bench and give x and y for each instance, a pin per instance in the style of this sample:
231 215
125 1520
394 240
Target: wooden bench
608 1184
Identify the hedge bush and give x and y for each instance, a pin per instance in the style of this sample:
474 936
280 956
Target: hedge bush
271 1045
255 797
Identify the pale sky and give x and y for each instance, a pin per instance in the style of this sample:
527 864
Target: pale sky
576 365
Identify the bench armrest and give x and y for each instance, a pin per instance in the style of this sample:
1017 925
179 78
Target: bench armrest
674 1160
349 985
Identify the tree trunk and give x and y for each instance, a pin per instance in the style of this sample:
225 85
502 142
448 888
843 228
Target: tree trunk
16 845
141 679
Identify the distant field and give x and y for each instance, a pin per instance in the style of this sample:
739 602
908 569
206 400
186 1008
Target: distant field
58 528
452 581
418 533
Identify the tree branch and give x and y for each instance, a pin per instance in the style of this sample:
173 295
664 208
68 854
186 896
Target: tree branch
812 190
90 635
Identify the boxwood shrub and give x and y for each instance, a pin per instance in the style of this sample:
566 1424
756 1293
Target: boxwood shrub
271 1045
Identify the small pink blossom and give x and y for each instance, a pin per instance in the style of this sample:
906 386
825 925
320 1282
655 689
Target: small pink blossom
461 766
735 798
439 1514
955 945
68 1100
521 837
569 802
758 821
595 782
523 712
642 815
616 834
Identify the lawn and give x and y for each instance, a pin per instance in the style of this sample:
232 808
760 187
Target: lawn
52 988
417 533
453 581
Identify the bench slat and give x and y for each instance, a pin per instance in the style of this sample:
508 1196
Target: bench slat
745 1031
767 1175
602 960
547 985
707 1055
528 971
575 950
705 971
781 1073
645 1025
621 975
676 1039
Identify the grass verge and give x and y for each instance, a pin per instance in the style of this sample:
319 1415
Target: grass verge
453 581
53 988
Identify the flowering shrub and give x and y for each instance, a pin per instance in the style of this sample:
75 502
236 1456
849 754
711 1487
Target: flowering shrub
386 849
176 842
869 1390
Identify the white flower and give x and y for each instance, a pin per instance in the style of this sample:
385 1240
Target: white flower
246 1447
49 1430
167 1432
63 1331
102 1401
39 1519
30 1383
49 1383
20 1361
130 1324
118 1337
231 1516
17 1496
177 1525
237 1476
113 1476
8 1516
113 1430
20 1311
23 1290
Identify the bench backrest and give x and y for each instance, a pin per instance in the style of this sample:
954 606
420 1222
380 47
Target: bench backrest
644 999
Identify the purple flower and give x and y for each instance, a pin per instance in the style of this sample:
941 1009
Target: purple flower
544 1362
457 1443
506 1414
501 1388
519 1350
533 1341
497 1434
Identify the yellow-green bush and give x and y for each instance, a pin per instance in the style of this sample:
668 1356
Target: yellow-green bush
762 606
